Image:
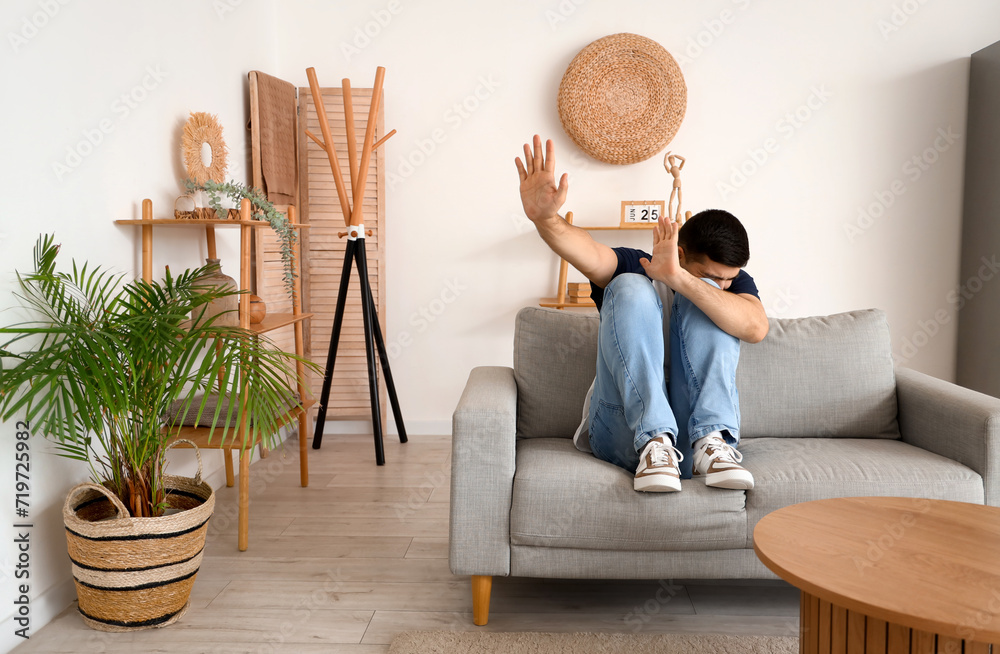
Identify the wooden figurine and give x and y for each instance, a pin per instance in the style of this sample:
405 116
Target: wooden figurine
670 164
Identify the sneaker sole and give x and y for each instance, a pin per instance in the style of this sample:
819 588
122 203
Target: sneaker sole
731 479
653 484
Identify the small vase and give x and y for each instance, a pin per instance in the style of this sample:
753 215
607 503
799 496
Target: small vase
226 306
258 310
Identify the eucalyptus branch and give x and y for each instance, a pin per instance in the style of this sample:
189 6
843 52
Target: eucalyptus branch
260 209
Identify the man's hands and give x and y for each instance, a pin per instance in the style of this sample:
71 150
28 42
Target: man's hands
540 196
542 199
666 265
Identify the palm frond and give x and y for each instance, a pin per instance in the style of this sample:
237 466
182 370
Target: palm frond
102 361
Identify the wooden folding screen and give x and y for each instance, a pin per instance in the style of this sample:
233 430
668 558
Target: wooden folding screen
323 250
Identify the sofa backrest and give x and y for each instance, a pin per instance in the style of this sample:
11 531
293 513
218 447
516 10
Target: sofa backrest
824 376
827 376
555 356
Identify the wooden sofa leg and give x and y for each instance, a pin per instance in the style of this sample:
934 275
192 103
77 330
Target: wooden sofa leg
481 588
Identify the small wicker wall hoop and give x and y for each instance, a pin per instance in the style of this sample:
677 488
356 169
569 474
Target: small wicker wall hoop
203 128
622 98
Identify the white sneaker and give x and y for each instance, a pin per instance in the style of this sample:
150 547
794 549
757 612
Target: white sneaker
658 470
718 463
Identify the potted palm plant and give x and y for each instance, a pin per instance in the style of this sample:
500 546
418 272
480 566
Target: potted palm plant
97 369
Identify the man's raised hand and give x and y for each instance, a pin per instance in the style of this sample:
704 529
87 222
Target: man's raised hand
540 196
665 265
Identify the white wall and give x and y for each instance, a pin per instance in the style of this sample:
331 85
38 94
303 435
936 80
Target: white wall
878 97
459 249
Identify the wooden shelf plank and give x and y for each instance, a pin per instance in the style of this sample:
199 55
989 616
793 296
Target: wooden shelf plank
274 321
182 222
551 303
224 438
620 227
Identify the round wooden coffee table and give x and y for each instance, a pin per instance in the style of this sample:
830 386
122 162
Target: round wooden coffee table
889 574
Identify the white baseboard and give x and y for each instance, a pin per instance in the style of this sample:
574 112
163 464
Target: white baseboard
413 427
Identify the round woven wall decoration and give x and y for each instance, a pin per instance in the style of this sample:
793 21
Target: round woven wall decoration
622 99
204 128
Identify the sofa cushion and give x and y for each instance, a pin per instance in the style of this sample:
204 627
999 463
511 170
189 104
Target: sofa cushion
566 498
792 470
829 376
555 360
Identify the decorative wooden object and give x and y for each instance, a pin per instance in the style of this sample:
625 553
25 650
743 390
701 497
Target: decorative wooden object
888 574
258 309
638 214
239 439
670 163
352 209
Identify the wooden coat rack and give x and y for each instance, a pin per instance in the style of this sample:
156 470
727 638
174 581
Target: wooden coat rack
355 252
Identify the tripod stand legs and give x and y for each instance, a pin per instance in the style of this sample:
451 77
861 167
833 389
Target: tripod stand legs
373 342
331 357
389 384
369 314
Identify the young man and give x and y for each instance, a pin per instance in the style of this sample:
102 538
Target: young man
664 402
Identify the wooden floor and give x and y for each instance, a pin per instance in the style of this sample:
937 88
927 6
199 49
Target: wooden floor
362 554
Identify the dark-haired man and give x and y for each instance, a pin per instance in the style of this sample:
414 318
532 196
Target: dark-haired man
664 402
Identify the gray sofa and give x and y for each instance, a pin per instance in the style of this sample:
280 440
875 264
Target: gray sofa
824 414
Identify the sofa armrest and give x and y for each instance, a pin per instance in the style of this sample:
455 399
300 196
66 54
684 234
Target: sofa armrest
952 421
484 428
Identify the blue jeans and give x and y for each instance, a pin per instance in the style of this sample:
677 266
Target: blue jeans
633 399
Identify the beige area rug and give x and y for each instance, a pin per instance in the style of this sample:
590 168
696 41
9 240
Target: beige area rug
481 642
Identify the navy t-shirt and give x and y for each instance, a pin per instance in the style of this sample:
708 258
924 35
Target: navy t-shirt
628 262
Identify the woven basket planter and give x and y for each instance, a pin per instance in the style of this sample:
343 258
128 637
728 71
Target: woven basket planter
136 573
